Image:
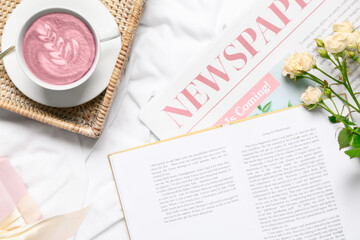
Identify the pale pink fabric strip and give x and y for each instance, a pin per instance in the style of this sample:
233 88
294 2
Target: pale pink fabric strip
29 209
13 194
19 213
56 228
7 205
11 181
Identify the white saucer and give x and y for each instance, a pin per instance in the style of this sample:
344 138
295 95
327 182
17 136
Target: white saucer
97 15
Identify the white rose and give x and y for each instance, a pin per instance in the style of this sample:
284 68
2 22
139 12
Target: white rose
298 63
312 95
337 42
356 37
345 27
353 39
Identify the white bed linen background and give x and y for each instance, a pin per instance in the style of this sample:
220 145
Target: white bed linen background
65 171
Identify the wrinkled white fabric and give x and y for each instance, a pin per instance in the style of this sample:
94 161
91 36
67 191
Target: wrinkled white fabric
65 171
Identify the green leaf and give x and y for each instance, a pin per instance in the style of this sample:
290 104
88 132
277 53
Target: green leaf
353 153
354 140
347 120
333 119
344 138
259 107
267 107
289 104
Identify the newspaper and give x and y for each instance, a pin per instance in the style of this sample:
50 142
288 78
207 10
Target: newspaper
240 75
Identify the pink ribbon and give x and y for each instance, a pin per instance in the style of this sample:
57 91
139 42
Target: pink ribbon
20 215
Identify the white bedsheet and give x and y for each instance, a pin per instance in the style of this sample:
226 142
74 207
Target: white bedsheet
65 171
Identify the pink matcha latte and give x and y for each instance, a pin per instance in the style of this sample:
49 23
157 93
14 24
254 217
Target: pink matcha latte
59 48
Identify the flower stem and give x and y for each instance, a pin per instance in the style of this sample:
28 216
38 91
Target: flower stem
338 61
348 85
344 101
335 106
334 62
314 78
342 109
318 81
317 68
325 107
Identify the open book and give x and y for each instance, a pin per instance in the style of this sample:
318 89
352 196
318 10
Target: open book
275 176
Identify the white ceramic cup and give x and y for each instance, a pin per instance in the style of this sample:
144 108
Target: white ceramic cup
100 36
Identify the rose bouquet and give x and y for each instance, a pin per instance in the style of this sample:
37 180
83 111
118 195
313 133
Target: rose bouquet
340 49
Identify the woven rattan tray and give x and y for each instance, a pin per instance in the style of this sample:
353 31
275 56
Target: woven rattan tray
87 119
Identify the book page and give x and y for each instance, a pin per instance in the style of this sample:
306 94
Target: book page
279 176
181 190
302 186
240 74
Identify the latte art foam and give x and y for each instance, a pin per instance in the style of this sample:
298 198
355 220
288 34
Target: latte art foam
59 48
